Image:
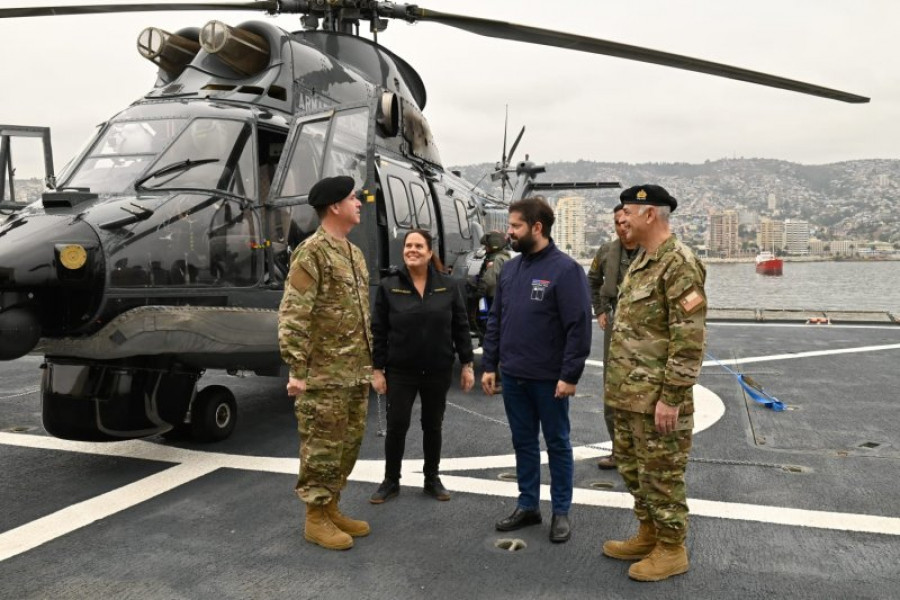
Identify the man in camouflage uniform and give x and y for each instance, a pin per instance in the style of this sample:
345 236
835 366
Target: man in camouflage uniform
605 276
496 253
654 359
325 338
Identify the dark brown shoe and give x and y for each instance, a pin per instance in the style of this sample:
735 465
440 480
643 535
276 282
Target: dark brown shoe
607 462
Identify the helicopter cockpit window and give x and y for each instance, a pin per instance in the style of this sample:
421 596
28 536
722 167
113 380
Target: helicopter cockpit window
122 153
306 161
346 153
420 206
206 139
400 200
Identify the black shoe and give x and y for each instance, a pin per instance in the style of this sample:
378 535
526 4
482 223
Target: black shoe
436 489
560 531
519 519
388 489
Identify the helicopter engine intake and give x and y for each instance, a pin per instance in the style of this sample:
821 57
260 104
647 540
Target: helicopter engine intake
244 51
171 52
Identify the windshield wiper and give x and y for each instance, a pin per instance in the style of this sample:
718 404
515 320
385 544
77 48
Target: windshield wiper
183 165
244 200
141 214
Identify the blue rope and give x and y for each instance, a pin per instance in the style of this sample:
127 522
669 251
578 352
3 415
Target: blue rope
751 388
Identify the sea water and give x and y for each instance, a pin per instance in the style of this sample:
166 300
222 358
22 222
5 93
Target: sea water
844 285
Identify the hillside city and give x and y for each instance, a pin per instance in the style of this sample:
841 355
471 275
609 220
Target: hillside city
729 209
733 208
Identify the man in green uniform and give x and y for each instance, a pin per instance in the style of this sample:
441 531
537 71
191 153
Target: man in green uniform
654 360
605 276
496 253
325 338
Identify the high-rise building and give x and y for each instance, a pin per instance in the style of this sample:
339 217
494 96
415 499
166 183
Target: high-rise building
568 231
770 235
796 237
772 201
723 233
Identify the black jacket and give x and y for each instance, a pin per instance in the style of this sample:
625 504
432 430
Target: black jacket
413 333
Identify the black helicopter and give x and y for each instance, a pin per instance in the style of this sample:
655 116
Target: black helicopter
161 250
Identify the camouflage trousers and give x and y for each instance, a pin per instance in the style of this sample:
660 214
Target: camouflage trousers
652 466
331 423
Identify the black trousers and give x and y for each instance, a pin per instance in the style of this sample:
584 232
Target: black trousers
402 388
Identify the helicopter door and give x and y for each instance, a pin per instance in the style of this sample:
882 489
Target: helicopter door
407 206
323 145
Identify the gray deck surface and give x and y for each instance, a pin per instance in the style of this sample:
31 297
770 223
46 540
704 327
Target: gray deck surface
796 504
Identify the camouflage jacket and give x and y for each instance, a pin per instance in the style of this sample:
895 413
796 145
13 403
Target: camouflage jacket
602 277
323 323
659 331
487 285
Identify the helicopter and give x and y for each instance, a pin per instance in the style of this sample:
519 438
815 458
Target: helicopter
160 251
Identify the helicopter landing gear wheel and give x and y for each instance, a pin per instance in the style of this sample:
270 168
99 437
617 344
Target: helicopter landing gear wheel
214 414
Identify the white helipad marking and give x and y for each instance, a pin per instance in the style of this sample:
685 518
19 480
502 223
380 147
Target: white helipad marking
76 516
810 354
804 325
192 464
708 408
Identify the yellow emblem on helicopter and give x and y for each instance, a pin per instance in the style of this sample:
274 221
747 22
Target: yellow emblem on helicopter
73 257
642 195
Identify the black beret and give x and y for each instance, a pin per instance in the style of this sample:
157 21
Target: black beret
648 194
331 190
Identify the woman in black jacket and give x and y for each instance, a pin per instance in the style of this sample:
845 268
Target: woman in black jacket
419 322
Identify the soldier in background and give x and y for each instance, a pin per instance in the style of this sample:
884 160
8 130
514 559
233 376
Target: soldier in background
484 272
605 276
654 360
325 338
496 253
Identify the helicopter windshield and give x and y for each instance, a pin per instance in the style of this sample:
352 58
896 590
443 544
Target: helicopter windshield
128 149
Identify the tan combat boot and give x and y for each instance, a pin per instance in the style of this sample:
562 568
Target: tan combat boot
664 561
320 530
634 548
350 526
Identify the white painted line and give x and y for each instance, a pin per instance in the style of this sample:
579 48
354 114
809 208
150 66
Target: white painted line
192 464
776 515
43 530
793 355
804 325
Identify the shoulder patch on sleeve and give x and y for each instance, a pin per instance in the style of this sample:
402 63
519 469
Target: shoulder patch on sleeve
692 300
301 280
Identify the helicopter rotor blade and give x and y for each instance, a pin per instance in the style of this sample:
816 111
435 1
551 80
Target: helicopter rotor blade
570 41
271 6
505 128
516 143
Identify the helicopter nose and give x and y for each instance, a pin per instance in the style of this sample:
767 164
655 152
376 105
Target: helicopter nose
19 333
51 279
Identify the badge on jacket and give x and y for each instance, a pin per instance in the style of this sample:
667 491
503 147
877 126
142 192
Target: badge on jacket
538 287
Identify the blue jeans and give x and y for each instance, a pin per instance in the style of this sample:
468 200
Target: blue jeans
531 407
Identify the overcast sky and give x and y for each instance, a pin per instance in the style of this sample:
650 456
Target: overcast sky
72 73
